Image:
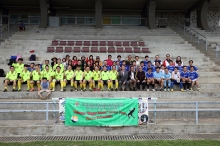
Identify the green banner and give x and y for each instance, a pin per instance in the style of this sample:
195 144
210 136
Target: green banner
101 112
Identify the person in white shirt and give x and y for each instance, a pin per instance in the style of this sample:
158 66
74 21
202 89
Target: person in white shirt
131 79
176 79
137 60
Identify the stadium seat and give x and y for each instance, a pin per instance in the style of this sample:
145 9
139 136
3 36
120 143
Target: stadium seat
50 49
141 44
102 43
102 49
85 49
59 49
128 50
145 50
86 43
110 43
94 49
62 43
120 50
70 43
137 50
134 44
54 43
78 43
68 49
126 44
77 49
118 43
95 43
111 49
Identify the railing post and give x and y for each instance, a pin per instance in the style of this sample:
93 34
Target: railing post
14 24
197 115
198 38
216 51
184 29
1 32
47 113
155 107
206 44
191 33
8 23
179 25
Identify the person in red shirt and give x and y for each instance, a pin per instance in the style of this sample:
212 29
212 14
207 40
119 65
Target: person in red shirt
74 62
109 60
90 60
166 62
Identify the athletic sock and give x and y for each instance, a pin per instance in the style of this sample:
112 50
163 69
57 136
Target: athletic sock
72 84
84 86
53 85
90 85
19 85
116 84
99 85
102 85
80 85
38 86
28 84
148 86
184 86
109 85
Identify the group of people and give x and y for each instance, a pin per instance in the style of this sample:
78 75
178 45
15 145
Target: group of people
121 75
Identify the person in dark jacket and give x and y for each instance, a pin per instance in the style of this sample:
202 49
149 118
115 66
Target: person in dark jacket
131 79
141 79
83 63
123 76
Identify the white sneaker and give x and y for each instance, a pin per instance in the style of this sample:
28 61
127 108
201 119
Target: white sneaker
53 90
61 90
168 90
153 89
148 90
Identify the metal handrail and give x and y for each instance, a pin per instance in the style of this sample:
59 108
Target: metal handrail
217 50
197 36
155 103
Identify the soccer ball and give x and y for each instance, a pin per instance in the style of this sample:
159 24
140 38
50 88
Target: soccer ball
178 80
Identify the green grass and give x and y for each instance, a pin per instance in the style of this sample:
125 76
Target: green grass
120 143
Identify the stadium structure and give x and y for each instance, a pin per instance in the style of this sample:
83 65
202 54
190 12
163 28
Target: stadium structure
186 28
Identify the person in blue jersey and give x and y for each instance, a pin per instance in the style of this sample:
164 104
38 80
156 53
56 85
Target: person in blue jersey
167 80
180 67
171 66
144 68
157 64
150 79
157 60
176 79
193 75
118 66
149 65
127 67
191 64
105 65
158 79
184 75
119 60
146 60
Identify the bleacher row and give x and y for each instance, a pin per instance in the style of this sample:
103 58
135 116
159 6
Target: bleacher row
98 47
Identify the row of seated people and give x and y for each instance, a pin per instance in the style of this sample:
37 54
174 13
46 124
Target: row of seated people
160 77
78 49
98 43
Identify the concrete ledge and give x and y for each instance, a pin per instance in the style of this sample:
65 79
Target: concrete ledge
41 130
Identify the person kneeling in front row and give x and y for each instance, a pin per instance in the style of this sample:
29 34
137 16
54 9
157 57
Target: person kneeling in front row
44 88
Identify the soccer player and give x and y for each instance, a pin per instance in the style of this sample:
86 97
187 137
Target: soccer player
88 74
46 63
48 74
36 76
171 66
96 78
24 78
59 63
32 67
167 80
144 68
113 78
180 67
193 75
126 64
176 79
150 79
137 60
19 66
157 60
105 78
69 75
149 65
184 75
58 79
146 60
78 78
191 64
11 79
158 78
119 60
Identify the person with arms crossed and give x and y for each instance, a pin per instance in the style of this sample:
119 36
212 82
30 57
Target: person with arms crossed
48 74
150 79
11 79
184 75
58 78
167 80
25 78
158 78
36 76
176 79
96 79
113 78
78 78
88 74
69 75
123 76
141 79
194 77
105 78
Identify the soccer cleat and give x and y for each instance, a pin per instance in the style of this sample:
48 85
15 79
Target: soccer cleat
5 90
171 90
64 89
14 90
71 90
187 90
134 89
112 89
148 90
199 89
28 90
109 89
182 90
61 90
94 89
90 90
161 89
84 90
191 89
168 90
19 90
165 89
53 90
76 90
101 90
81 89
116 89
153 89
98 90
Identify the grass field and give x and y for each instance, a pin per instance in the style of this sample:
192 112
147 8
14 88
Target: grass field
120 143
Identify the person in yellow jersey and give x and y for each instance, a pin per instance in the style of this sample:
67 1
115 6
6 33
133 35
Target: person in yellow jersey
87 78
96 78
36 76
19 66
11 79
113 79
48 74
105 78
78 78
58 79
25 78
46 63
69 75
59 63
